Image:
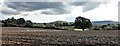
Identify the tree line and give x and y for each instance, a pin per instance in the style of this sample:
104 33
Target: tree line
80 23
107 27
21 22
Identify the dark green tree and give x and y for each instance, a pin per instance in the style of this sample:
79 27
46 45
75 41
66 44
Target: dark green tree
82 23
6 22
13 22
103 27
118 26
21 22
28 23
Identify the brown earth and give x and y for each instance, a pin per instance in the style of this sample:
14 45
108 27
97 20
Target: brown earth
19 36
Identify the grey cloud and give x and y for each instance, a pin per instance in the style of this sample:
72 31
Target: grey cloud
77 3
55 11
87 5
56 7
30 6
8 11
54 0
90 6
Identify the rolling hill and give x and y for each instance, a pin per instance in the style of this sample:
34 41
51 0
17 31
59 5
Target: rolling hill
104 22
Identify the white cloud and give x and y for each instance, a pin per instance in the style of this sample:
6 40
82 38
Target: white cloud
104 12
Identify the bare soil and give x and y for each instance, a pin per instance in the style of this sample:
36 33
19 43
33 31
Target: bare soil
20 36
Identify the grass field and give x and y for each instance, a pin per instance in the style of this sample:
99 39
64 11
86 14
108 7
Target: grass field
19 36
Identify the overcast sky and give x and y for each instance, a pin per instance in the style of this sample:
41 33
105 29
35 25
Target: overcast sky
66 11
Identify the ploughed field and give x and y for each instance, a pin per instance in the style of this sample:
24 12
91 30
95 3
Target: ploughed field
19 36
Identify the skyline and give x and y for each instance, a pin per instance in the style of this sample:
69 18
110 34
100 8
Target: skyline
65 11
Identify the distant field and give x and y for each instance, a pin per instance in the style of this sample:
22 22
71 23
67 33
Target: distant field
18 36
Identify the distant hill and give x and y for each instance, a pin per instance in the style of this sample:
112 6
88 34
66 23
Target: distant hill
104 22
93 22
